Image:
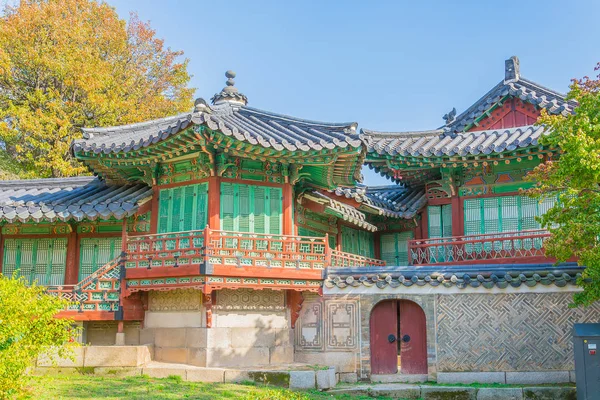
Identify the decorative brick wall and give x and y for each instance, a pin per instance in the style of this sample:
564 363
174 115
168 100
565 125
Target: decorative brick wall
507 332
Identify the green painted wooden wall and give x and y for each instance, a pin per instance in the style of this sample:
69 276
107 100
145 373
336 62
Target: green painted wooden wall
42 260
394 248
503 214
358 242
95 252
251 208
183 208
302 231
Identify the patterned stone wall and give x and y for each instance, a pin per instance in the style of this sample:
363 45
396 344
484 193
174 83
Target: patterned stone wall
507 332
327 325
175 300
250 300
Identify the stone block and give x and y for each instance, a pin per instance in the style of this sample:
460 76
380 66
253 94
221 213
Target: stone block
284 337
271 378
195 337
572 377
197 357
171 354
348 377
500 394
162 372
156 319
396 391
399 378
252 337
302 380
236 376
535 377
239 357
120 339
447 393
132 335
119 372
57 371
550 393
218 338
241 319
147 336
325 378
281 355
51 359
471 377
169 337
342 361
116 356
206 375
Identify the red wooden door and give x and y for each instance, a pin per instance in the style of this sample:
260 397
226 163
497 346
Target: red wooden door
384 322
413 338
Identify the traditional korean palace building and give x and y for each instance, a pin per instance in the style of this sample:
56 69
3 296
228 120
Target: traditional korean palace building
232 236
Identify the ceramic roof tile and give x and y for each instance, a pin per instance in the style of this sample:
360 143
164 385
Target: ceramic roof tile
66 199
438 143
392 201
462 277
246 124
344 211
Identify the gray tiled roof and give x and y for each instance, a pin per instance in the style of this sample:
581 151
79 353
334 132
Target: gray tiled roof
244 123
439 143
478 276
347 212
66 199
393 201
530 92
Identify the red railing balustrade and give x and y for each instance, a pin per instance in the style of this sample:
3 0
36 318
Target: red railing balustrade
493 246
340 259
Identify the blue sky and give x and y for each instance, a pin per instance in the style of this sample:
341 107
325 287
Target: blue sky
388 65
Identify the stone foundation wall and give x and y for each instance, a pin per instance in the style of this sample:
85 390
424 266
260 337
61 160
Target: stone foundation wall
249 328
104 333
507 332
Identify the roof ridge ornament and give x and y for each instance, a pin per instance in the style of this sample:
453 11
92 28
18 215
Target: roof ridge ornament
230 93
200 105
512 71
450 117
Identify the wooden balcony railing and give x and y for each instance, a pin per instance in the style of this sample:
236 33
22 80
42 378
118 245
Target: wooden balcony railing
474 248
97 292
240 249
171 249
340 259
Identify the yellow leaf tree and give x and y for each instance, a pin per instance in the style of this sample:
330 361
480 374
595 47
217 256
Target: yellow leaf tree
67 64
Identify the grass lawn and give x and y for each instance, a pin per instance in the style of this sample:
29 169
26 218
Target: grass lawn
139 387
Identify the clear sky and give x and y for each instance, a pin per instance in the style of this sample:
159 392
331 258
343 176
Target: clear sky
388 65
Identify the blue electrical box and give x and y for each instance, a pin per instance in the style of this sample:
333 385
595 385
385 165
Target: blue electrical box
586 341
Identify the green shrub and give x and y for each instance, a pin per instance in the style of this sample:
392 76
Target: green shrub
27 329
275 394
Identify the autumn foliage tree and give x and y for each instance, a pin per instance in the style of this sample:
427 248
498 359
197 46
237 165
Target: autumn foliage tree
575 178
67 64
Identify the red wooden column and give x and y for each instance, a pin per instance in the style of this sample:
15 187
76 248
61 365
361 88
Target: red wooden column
72 264
457 216
214 203
424 224
288 207
338 240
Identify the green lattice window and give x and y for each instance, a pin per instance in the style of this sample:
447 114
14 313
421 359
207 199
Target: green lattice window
42 260
439 225
504 214
357 242
183 208
250 208
302 231
95 252
394 248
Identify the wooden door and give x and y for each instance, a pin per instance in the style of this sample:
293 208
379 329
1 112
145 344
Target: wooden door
384 327
413 338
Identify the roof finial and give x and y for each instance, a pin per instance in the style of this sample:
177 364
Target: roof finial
230 93
511 70
450 117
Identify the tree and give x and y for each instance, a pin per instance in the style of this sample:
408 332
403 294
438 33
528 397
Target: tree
67 64
27 329
575 178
